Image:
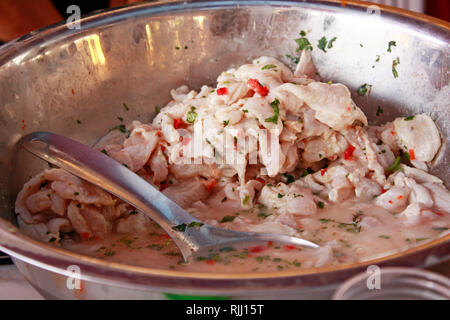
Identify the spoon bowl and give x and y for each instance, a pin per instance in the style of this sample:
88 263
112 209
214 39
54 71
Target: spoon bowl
190 235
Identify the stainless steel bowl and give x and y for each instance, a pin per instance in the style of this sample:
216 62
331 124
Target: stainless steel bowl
75 82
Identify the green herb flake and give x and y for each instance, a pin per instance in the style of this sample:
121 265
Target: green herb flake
180 227
191 115
227 219
379 111
293 59
276 110
384 236
395 63
245 200
330 43
289 179
390 45
264 215
320 204
364 90
395 166
440 229
322 45
224 199
409 118
268 66
303 44
126 107
195 224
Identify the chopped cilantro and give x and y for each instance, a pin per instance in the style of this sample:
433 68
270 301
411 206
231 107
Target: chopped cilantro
293 59
227 219
320 204
276 110
180 227
390 45
303 44
379 111
364 90
322 45
395 63
268 66
126 107
395 166
245 200
191 115
409 118
289 178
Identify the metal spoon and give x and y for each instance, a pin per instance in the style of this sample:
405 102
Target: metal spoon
103 171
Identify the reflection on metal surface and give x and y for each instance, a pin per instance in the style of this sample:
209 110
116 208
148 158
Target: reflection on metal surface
95 48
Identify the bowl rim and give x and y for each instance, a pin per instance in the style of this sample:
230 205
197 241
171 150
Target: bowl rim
97 268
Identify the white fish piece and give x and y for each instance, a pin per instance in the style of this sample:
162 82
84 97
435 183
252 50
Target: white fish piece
394 200
137 148
158 165
419 194
180 94
39 201
290 151
132 224
327 146
440 195
262 69
78 221
188 171
30 187
38 231
332 103
292 199
186 193
229 115
247 193
57 225
69 187
261 109
305 67
59 205
272 226
419 175
419 134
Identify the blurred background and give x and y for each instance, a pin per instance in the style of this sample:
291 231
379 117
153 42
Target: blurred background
19 17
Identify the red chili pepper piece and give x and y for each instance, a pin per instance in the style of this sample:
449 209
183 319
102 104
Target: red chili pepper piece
258 87
322 172
383 190
256 249
412 155
163 185
261 180
210 262
222 91
177 123
85 235
348 153
211 185
289 247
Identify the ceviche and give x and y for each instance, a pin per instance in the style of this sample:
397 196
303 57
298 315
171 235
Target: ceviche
266 150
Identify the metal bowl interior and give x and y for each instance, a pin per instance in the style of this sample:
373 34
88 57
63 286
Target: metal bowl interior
76 82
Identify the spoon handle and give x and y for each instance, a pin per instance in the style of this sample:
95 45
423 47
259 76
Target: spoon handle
105 172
